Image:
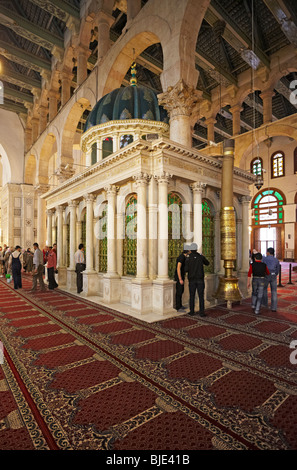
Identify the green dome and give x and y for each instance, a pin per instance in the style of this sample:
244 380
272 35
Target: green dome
132 102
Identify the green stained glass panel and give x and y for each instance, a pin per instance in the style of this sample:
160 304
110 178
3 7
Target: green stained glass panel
208 235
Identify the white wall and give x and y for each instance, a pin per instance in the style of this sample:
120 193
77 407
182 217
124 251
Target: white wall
11 147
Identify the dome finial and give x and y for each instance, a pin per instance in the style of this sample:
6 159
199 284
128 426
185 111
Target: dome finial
133 79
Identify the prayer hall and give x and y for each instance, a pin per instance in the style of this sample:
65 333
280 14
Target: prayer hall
135 134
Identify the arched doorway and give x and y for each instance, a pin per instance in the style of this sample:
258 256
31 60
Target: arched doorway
267 221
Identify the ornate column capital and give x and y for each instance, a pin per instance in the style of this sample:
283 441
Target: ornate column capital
245 199
49 212
111 189
164 177
141 179
73 203
89 198
198 186
180 99
64 174
60 209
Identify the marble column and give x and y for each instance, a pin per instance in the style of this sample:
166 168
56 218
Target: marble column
141 285
111 280
90 277
198 189
71 275
153 228
163 286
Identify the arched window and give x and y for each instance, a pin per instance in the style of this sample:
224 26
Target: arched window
94 154
107 147
103 240
257 166
130 242
208 235
268 208
175 237
277 165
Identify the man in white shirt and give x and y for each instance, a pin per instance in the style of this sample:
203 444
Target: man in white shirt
80 266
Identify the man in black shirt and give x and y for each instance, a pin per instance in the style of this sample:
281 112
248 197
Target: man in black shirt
179 277
195 269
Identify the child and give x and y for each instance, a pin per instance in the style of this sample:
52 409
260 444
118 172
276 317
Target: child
259 270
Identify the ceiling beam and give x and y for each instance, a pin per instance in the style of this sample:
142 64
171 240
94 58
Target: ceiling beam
62 10
288 26
31 31
214 69
252 54
14 107
20 56
20 96
19 79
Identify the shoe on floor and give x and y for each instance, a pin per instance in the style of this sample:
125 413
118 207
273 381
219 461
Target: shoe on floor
191 313
202 314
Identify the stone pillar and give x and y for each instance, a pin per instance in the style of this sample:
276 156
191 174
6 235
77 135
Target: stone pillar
111 280
49 227
43 110
65 229
210 122
28 138
198 192
267 105
53 97
83 54
236 110
35 129
180 101
66 79
104 22
78 232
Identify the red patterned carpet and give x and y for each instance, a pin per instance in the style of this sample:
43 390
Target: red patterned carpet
79 376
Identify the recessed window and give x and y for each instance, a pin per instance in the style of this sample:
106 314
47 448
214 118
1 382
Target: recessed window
107 147
277 165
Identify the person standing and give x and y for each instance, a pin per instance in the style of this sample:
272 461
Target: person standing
29 265
259 270
195 268
51 268
179 277
1 262
37 268
80 266
16 264
273 266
